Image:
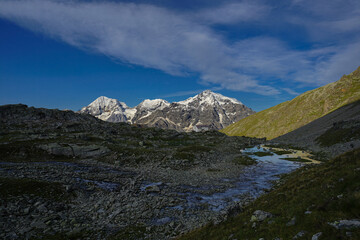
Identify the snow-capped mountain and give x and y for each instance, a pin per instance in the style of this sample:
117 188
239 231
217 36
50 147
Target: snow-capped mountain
207 110
153 104
107 109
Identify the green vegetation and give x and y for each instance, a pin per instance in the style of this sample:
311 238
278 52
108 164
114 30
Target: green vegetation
327 192
10 187
184 155
305 108
281 152
63 236
244 160
213 170
26 150
284 146
296 159
263 154
195 148
130 232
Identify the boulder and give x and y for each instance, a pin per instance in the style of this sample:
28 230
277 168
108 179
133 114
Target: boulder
300 235
74 150
346 224
259 216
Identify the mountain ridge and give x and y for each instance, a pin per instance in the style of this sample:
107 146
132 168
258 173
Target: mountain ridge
303 109
206 110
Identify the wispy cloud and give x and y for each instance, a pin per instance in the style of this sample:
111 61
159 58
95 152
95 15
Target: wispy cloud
183 43
145 35
187 93
290 91
234 12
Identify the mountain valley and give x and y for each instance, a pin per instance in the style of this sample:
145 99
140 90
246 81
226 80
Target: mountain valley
162 171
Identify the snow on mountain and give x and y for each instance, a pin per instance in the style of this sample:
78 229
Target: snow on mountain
153 104
208 97
107 109
207 110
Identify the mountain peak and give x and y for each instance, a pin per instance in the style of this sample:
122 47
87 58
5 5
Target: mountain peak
104 102
206 110
207 92
209 97
153 104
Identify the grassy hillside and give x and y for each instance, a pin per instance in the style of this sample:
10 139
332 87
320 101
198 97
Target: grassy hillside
314 196
305 108
333 134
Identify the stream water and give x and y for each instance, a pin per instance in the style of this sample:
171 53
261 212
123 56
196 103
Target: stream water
252 182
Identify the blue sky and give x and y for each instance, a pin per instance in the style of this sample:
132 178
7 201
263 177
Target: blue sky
64 54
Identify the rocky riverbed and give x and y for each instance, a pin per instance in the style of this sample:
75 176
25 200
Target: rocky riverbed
70 176
150 202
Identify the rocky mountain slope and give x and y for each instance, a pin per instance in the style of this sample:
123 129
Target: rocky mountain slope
305 108
207 110
334 133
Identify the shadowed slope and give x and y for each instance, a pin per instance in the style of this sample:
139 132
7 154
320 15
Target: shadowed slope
334 133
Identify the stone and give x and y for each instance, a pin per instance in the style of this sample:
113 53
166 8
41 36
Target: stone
292 222
26 210
300 234
346 224
259 216
42 208
152 189
38 224
316 236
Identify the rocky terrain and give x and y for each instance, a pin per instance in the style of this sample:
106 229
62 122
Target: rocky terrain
67 175
205 111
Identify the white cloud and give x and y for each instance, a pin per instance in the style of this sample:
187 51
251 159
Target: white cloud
234 12
182 43
186 93
143 34
290 91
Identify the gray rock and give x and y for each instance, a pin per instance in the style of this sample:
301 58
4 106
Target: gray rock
300 234
152 189
346 224
26 210
259 216
316 236
38 224
292 222
74 150
42 208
